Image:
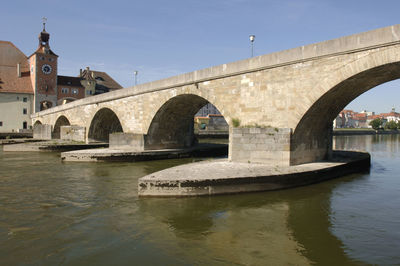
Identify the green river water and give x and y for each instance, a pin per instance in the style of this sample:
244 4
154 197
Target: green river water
54 213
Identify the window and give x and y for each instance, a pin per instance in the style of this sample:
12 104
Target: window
65 90
24 125
1 123
88 92
17 98
74 91
51 59
42 58
24 111
25 99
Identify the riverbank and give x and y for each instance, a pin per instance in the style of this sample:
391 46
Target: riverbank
17 141
224 177
15 135
362 131
51 145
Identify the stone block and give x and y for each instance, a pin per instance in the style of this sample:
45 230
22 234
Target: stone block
130 141
73 133
42 132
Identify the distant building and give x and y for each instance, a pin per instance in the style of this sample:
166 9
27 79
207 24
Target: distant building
360 120
208 109
351 119
16 91
88 83
30 84
209 118
392 116
368 113
345 119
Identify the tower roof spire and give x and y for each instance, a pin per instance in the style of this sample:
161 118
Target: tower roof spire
44 36
44 19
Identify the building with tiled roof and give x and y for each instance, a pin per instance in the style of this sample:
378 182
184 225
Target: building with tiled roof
31 84
392 116
16 90
349 118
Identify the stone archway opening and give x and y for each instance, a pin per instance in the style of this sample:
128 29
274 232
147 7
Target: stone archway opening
61 121
37 123
312 138
181 120
104 123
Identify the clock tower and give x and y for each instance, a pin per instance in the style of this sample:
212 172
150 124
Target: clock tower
43 68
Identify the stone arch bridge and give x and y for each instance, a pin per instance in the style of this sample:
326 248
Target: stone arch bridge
279 106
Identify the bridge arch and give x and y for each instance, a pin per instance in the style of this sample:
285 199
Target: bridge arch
103 123
172 124
312 137
61 121
37 123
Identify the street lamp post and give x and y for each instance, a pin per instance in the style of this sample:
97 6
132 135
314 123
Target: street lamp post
135 73
252 37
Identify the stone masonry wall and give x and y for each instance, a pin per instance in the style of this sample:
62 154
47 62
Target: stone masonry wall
42 132
127 141
260 145
74 133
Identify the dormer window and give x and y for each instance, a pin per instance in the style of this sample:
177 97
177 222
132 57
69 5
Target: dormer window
99 78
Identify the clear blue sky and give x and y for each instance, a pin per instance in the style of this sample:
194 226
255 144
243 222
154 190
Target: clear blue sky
166 38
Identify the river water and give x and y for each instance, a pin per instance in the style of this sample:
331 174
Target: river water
55 213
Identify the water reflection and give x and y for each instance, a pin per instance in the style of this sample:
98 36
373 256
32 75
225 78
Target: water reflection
89 213
388 144
250 229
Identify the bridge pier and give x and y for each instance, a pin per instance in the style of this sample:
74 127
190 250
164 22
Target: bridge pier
260 145
42 131
127 141
311 145
73 133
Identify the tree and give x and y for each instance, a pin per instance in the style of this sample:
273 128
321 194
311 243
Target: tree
392 125
376 123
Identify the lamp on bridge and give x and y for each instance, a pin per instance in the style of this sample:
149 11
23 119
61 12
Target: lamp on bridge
135 73
252 38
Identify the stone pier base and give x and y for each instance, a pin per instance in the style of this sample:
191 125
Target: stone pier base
73 133
42 132
223 177
129 141
260 145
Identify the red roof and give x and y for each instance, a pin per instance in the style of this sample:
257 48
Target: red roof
10 57
391 114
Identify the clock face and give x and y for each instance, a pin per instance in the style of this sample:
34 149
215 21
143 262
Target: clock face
46 69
